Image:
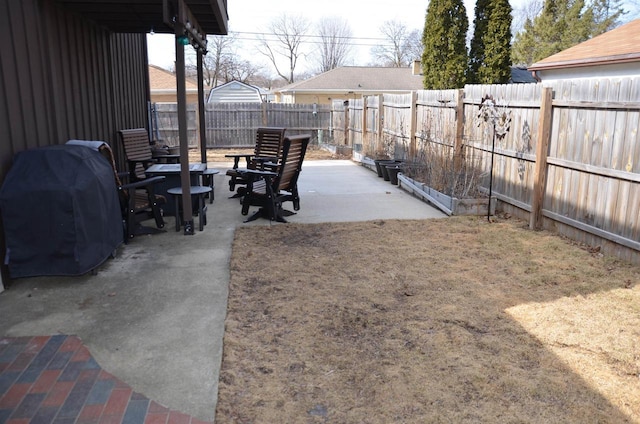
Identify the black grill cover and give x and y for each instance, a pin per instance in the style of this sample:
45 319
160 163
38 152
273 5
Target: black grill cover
60 211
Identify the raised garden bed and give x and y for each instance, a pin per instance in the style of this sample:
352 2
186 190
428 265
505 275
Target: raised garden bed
447 204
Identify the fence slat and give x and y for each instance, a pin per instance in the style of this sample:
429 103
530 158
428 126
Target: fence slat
575 155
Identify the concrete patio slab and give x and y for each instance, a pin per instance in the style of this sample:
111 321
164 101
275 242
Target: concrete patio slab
154 315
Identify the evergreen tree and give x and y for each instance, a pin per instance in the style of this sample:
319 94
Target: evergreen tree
497 45
562 24
444 60
476 48
490 53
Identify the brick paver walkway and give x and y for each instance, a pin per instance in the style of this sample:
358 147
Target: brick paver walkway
54 379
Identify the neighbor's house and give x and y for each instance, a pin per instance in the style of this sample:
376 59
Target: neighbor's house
234 92
162 85
615 53
351 82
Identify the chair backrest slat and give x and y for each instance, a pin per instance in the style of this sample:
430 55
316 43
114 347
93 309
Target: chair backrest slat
269 143
137 149
294 149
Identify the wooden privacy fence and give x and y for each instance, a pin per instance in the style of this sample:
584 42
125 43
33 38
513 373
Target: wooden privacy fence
570 161
235 124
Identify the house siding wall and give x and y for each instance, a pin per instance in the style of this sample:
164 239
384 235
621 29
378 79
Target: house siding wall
62 77
172 98
618 70
325 98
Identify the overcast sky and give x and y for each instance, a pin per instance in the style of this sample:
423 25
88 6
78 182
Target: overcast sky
364 16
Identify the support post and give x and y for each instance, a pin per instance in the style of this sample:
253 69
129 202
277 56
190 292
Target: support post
201 111
185 178
542 151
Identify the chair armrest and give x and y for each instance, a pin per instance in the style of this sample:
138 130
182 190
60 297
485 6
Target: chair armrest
264 159
237 156
262 162
258 173
272 166
133 163
143 183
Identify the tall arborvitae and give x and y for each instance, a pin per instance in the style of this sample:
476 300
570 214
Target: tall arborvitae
490 53
562 24
444 61
496 67
476 48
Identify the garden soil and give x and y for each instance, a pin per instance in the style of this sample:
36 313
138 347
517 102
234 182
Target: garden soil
452 320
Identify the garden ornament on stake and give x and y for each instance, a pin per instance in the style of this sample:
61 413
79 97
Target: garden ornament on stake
500 119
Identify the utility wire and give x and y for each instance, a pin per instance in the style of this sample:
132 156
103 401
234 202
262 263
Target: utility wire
309 35
254 36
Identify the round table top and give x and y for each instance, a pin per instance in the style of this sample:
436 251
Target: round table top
193 189
211 171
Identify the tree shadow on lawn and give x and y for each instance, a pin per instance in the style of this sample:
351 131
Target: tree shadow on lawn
452 320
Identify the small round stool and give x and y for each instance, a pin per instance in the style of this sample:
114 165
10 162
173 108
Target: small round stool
207 180
196 191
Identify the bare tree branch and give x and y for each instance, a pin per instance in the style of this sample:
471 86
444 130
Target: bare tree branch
400 46
286 37
335 35
222 63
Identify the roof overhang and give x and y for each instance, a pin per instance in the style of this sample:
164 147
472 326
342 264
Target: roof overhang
142 16
578 63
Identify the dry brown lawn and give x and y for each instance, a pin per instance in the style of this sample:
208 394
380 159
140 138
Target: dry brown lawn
436 321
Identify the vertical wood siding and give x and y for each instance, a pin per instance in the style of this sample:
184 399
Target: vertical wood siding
63 78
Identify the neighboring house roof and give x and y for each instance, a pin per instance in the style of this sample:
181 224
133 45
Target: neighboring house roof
620 45
233 92
162 81
521 75
359 78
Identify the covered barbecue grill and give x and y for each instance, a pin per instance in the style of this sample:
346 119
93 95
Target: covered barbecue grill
60 211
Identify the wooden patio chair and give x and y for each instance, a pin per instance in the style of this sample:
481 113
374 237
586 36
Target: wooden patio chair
266 155
139 154
270 190
138 200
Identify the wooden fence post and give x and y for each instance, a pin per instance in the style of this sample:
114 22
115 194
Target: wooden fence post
380 135
413 125
458 148
365 135
265 120
542 150
346 122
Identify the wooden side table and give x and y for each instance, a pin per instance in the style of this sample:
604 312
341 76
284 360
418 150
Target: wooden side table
196 191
